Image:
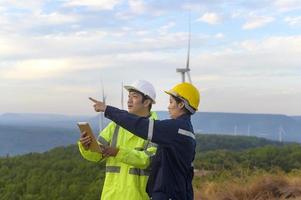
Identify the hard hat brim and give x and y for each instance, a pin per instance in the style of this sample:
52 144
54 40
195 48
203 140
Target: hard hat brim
129 87
171 93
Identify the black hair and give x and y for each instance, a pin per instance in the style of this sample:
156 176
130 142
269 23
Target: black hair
144 98
179 100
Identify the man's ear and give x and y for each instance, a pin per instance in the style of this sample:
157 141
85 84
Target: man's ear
147 102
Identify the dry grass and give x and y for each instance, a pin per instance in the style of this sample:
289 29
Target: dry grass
257 187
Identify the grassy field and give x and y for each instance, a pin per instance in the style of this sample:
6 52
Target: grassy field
247 185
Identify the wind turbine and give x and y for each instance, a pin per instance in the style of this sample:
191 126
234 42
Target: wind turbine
281 133
249 130
101 115
122 96
186 70
235 130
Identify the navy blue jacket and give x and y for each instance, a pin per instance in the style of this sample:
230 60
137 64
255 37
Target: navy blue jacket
171 170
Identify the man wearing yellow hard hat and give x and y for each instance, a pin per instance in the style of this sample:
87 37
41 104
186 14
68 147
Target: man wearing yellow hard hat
172 169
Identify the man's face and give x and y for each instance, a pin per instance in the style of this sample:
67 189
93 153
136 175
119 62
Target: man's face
135 104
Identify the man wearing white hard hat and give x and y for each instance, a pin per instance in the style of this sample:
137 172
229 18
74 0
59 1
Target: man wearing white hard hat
128 156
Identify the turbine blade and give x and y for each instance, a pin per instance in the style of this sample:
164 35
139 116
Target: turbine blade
188 49
101 115
101 121
189 78
103 93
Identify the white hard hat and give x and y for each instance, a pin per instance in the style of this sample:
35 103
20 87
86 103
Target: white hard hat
144 87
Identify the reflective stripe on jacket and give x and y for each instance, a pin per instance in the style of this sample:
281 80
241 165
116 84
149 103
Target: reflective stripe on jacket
127 173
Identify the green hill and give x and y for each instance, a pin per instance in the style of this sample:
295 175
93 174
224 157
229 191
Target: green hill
62 174
209 142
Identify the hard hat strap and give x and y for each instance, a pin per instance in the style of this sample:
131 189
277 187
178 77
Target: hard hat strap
187 106
186 103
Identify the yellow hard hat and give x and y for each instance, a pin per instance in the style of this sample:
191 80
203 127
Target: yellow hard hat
188 93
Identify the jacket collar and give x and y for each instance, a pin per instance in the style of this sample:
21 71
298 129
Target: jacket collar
153 115
184 116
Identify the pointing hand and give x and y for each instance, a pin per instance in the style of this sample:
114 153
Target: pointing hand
98 106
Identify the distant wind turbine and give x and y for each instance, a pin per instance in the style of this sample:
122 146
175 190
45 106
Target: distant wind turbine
281 132
122 96
235 130
101 115
186 70
249 128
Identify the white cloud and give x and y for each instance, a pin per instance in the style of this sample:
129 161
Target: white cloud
94 4
284 45
37 20
137 6
124 15
211 18
35 69
142 32
257 22
28 4
287 5
11 45
255 67
237 14
54 18
273 54
164 29
77 43
2 9
197 7
72 89
207 78
47 43
292 21
219 36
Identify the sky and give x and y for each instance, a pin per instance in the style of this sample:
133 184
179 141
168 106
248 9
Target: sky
245 55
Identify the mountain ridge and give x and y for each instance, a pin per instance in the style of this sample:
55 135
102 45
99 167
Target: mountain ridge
28 132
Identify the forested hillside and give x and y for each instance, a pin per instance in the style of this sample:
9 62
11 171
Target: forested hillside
209 142
62 174
220 152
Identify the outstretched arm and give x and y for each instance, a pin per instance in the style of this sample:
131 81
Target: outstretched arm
159 132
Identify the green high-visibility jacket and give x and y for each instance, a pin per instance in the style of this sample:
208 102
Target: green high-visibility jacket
127 172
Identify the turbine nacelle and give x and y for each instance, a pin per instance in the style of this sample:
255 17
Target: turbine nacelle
184 71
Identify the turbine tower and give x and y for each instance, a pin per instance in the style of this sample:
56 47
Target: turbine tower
249 128
281 132
122 96
101 115
235 130
186 70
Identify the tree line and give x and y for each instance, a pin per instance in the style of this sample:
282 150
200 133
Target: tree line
62 173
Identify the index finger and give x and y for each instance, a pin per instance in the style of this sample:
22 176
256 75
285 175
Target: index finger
94 100
84 135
